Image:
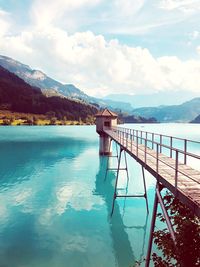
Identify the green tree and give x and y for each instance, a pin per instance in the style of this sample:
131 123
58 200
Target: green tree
53 121
50 114
187 233
29 121
35 121
6 122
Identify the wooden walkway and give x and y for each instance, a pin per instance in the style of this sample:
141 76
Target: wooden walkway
170 170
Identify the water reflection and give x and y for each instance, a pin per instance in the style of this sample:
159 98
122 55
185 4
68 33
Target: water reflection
122 246
20 160
55 206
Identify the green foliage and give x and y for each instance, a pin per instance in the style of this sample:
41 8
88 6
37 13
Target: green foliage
53 121
29 121
187 233
50 114
35 121
6 122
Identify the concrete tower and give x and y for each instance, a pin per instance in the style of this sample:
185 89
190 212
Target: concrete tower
105 118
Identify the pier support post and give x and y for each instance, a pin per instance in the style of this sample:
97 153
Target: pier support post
105 145
155 207
116 182
109 156
145 189
158 199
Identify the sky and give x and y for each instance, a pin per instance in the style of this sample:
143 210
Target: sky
105 47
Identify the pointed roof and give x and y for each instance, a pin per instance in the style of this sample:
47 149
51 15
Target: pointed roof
106 113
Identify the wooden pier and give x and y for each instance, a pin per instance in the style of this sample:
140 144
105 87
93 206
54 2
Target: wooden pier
170 170
168 163
169 159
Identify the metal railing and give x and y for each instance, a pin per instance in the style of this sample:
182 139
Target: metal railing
142 141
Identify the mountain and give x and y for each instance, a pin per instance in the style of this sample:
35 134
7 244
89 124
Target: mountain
154 100
196 120
175 113
136 119
51 87
41 80
16 95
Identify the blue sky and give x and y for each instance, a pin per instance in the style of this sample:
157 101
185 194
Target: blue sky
116 46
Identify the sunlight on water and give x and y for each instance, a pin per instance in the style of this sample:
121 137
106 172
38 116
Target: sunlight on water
55 205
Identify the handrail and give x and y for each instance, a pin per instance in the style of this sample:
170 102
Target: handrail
185 152
158 134
127 136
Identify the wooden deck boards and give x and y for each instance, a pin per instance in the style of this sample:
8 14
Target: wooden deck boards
188 183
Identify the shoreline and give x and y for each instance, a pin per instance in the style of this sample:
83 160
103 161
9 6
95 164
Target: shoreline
9 118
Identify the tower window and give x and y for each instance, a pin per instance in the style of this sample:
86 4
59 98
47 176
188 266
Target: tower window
107 123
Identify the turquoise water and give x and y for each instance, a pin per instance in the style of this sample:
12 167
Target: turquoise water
55 205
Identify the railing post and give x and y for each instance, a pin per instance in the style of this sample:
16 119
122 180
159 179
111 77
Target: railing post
146 135
131 141
137 145
157 158
140 137
161 143
171 140
133 135
152 140
145 151
185 151
176 170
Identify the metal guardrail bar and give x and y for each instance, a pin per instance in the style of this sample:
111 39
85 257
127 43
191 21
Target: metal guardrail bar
163 135
184 152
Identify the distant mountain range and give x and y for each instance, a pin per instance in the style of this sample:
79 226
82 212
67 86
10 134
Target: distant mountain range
51 87
175 113
196 120
154 100
136 119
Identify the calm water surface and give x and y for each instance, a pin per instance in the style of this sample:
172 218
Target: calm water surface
55 206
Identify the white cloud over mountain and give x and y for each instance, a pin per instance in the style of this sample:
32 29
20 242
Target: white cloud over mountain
96 65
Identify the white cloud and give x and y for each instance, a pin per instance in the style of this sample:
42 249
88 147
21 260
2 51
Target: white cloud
47 12
182 5
128 7
98 66
194 35
4 22
76 195
183 75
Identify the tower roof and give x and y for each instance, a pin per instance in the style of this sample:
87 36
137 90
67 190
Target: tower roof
106 113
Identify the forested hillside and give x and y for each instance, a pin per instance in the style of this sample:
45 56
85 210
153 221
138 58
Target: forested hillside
16 95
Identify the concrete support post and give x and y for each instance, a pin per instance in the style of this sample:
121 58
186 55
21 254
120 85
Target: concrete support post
104 145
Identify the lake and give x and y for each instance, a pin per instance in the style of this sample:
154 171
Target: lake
55 205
